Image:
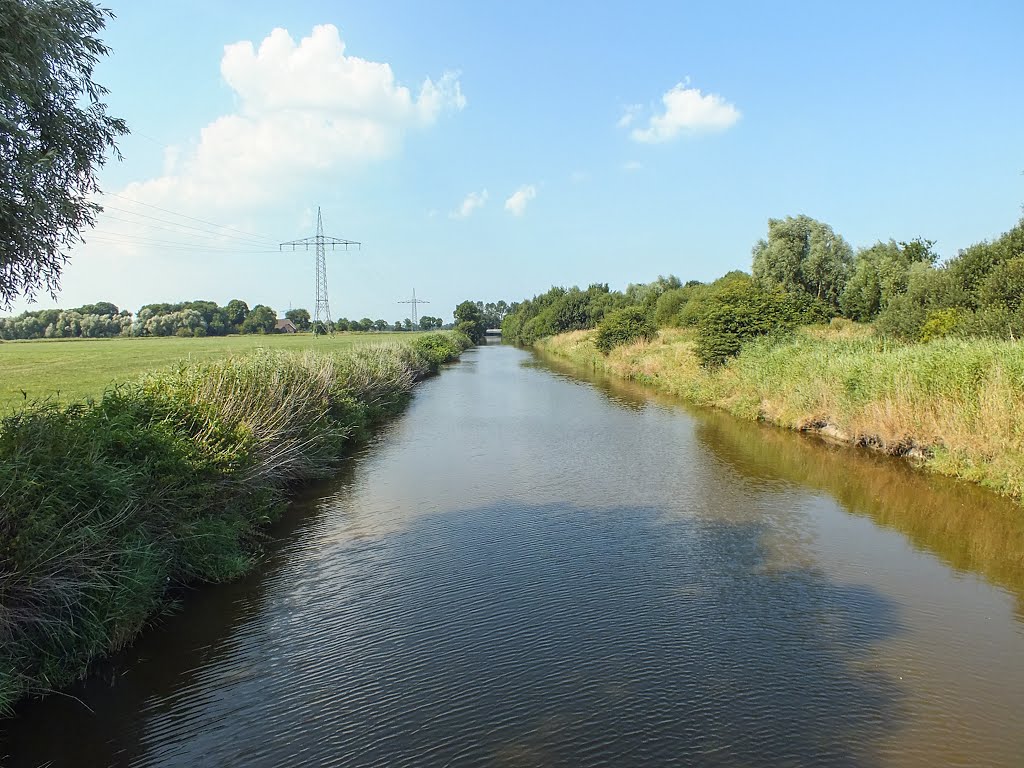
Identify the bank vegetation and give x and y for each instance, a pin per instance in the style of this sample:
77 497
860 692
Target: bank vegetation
109 507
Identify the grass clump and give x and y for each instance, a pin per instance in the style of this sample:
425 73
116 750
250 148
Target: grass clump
107 507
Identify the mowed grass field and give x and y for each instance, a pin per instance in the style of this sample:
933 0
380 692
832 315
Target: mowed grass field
66 370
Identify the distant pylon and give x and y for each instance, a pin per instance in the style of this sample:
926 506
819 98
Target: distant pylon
414 301
322 309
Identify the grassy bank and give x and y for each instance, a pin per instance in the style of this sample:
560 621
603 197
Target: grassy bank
954 405
66 370
108 507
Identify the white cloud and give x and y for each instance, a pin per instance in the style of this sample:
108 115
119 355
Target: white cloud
303 109
687 110
632 165
516 204
629 115
472 201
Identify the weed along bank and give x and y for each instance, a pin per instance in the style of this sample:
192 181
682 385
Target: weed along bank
110 507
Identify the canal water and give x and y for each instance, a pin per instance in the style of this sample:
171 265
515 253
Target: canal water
533 567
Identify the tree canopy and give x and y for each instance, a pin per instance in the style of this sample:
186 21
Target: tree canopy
54 135
802 254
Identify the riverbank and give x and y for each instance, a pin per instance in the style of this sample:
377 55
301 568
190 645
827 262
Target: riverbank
108 507
952 406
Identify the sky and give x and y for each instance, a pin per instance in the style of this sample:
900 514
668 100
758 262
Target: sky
486 150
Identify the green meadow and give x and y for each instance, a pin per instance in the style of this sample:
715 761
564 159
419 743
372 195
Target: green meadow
65 370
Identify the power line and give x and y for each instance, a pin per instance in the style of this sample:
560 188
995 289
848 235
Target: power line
213 235
116 238
185 216
167 221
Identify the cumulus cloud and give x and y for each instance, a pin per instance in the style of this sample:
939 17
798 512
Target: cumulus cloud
517 202
687 110
303 108
471 202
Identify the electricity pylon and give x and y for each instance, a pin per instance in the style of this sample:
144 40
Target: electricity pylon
414 301
322 310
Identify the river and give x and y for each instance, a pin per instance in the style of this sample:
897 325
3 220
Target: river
533 567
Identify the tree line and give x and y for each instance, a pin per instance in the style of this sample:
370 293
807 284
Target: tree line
425 323
105 320
184 319
802 273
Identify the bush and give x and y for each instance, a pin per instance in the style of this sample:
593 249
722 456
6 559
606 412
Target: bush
666 309
995 322
438 348
747 311
624 326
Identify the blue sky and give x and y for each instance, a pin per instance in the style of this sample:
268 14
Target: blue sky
490 150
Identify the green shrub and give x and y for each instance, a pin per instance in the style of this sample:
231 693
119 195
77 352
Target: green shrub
994 322
624 326
666 309
438 348
746 311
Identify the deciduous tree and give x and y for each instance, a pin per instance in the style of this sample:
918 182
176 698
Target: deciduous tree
802 254
55 134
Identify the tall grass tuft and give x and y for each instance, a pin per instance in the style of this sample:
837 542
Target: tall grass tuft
107 507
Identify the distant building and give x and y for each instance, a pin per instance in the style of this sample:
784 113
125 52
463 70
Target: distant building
285 326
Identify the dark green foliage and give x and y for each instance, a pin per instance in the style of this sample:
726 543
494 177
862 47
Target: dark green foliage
438 348
492 313
235 312
469 320
99 520
624 326
261 319
300 317
560 310
701 298
108 507
996 322
1003 286
666 309
743 310
54 134
427 323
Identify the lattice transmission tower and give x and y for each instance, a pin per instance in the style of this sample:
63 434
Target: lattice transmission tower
322 309
414 301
